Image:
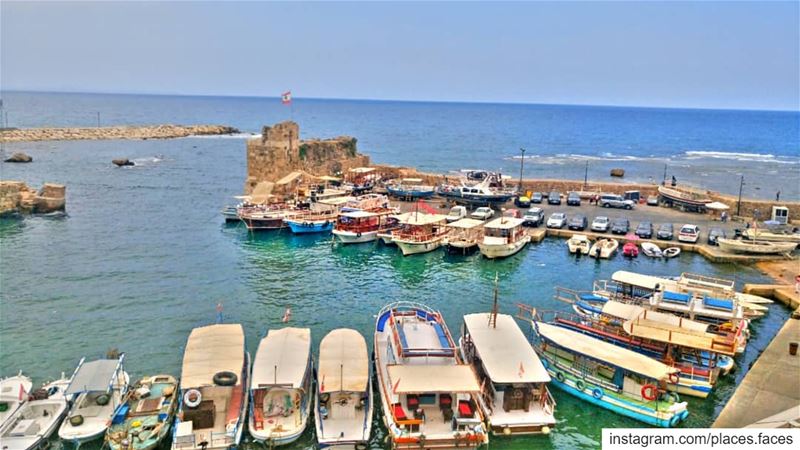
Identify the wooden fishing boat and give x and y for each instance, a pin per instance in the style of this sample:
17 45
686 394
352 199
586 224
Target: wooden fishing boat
266 217
145 417
30 426
316 220
756 247
514 398
429 397
281 388
684 197
652 250
580 244
213 388
344 404
13 393
420 233
603 248
99 387
410 189
464 236
503 237
770 235
357 227
608 376
392 224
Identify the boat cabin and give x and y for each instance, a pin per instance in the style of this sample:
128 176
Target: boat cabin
421 227
503 230
359 221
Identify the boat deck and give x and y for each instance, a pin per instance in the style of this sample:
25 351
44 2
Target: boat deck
535 415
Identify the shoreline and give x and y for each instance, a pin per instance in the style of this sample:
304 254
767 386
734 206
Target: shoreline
165 131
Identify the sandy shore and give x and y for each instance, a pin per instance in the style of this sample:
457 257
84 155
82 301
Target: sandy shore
120 132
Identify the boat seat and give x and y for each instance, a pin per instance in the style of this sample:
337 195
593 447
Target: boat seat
412 402
718 303
676 297
402 335
399 413
445 343
465 409
445 401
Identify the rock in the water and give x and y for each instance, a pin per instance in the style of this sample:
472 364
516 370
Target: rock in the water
19 157
618 173
122 162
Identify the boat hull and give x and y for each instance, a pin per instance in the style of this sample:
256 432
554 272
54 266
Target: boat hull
771 248
410 193
414 248
386 238
461 248
265 224
751 234
349 237
505 250
319 226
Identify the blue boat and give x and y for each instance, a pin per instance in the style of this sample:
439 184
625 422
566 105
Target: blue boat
410 188
306 225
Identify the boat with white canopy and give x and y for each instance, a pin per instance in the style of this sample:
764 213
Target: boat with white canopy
344 406
213 388
32 424
502 237
356 227
281 386
98 387
464 236
514 395
13 393
420 233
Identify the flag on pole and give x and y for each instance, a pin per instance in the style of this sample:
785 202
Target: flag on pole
286 97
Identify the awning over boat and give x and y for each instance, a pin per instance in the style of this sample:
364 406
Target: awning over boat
335 201
682 334
94 376
465 223
504 350
603 351
620 310
362 169
667 321
424 219
408 379
359 214
212 349
639 280
504 223
282 358
343 362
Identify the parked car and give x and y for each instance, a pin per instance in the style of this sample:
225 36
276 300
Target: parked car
600 224
615 201
573 199
652 200
482 213
620 226
689 233
554 198
714 234
456 213
577 222
557 220
665 232
645 230
533 217
537 197
522 201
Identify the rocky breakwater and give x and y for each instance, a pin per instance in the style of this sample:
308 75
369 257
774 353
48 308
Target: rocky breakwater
17 197
118 132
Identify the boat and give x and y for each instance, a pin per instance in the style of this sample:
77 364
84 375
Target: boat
30 426
213 389
144 419
281 387
343 404
502 237
671 252
265 217
464 236
310 221
603 248
771 235
652 250
392 224
429 397
689 199
98 387
579 244
410 189
231 214
486 192
357 227
756 247
608 376
420 233
630 249
514 398
13 393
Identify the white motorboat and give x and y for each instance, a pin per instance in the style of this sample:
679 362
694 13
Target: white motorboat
652 250
281 386
760 234
13 393
515 398
502 237
671 252
32 424
421 233
756 247
214 384
579 244
603 248
344 402
98 387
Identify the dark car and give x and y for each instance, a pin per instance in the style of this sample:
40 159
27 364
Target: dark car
573 199
665 232
620 226
554 198
533 217
645 230
578 222
537 197
714 234
522 201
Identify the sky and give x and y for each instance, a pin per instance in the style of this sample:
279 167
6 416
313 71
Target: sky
736 55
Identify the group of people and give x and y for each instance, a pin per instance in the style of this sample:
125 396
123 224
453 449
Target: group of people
594 199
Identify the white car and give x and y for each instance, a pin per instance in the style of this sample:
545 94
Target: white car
482 213
689 233
557 220
600 224
456 213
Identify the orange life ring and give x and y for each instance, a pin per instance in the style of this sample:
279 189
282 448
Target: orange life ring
649 392
674 377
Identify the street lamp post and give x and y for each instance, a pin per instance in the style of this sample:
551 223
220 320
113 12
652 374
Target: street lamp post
521 166
739 202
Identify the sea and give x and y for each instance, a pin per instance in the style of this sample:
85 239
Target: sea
143 255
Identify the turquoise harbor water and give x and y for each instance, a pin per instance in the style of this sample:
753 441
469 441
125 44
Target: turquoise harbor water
143 257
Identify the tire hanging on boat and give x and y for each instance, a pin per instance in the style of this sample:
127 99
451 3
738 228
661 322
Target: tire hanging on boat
225 378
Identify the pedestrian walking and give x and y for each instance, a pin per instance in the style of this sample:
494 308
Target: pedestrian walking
778 196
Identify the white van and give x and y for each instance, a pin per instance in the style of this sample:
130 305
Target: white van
456 213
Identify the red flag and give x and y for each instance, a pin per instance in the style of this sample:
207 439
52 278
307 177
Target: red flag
322 385
394 388
286 97
521 370
426 207
287 315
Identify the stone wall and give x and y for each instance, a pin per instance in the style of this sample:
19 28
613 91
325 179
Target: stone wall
280 151
119 132
18 197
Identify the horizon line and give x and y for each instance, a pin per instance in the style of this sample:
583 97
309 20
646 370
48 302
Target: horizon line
522 103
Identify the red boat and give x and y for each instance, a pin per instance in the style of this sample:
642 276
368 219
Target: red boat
630 249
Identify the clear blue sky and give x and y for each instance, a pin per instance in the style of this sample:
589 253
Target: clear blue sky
707 55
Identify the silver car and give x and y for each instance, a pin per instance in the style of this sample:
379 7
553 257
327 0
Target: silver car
600 224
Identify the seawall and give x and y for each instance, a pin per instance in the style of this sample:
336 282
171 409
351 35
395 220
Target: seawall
120 132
